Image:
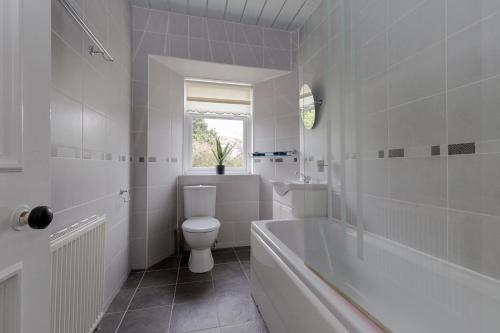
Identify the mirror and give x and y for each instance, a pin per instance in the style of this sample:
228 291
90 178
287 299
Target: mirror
307 107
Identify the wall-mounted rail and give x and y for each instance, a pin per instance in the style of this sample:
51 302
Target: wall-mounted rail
275 154
98 47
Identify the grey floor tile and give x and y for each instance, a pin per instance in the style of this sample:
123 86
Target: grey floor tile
257 326
109 322
152 320
196 291
168 263
236 309
210 330
224 256
185 259
185 275
121 300
153 297
235 287
228 272
133 280
159 278
243 253
246 268
192 316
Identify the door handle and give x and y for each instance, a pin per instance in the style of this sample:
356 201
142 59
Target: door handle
37 218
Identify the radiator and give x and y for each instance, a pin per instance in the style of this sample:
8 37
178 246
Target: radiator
77 263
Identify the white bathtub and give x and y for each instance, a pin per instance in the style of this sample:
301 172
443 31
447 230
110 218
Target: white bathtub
291 298
407 290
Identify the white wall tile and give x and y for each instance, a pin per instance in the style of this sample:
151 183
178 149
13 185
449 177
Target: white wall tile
428 19
474 53
462 13
419 76
473 183
473 242
421 180
91 108
67 69
473 112
177 24
65 121
418 123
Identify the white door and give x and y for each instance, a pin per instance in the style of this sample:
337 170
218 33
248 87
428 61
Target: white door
24 163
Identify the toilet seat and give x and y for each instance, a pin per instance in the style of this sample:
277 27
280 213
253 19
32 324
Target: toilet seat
200 224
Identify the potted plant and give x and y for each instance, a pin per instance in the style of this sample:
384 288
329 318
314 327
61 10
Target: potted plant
220 155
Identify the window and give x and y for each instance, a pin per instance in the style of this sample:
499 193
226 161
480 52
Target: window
217 109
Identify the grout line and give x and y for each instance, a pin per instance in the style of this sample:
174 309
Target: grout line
446 124
130 302
215 295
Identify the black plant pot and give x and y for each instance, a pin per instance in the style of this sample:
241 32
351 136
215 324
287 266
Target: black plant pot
220 169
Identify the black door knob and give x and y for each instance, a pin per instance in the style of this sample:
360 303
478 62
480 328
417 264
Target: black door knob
40 217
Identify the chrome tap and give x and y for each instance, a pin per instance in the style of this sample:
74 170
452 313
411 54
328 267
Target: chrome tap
302 176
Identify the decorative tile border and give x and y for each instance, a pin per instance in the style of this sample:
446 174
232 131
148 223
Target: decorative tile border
62 151
154 159
462 148
467 148
435 150
399 152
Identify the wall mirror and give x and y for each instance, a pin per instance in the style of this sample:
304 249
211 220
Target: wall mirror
308 107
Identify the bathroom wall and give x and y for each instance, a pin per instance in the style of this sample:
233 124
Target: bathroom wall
90 126
183 36
157 122
313 62
191 37
415 141
237 205
276 126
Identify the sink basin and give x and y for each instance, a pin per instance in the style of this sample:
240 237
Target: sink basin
297 199
283 187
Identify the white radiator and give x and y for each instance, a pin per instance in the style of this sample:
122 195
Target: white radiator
77 276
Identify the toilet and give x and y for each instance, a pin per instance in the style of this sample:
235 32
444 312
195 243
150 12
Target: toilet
200 229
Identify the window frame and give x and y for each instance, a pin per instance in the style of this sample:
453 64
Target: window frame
188 149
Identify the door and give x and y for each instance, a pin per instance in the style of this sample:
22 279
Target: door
24 163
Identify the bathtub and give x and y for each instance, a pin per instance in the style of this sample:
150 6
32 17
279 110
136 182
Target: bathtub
407 290
290 296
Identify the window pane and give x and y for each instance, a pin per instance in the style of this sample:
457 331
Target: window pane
205 130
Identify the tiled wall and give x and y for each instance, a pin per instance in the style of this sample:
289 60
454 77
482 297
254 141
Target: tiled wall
276 128
163 33
191 37
312 61
157 121
237 205
90 125
426 82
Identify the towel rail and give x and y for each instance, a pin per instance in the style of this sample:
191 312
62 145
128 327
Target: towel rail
98 48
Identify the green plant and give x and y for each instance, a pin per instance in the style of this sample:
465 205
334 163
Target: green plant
221 154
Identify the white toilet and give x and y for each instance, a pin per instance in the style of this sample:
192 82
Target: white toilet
200 228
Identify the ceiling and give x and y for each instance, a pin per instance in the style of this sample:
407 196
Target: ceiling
279 14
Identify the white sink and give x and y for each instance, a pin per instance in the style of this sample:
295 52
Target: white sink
283 187
297 199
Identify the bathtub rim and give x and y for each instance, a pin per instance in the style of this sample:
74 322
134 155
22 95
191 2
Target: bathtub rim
341 308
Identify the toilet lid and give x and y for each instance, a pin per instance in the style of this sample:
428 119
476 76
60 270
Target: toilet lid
200 224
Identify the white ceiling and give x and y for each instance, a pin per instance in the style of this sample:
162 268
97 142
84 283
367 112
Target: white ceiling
221 72
279 14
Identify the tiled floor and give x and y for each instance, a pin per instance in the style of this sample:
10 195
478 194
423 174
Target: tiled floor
168 298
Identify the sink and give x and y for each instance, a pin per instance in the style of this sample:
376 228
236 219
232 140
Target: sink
297 199
283 187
